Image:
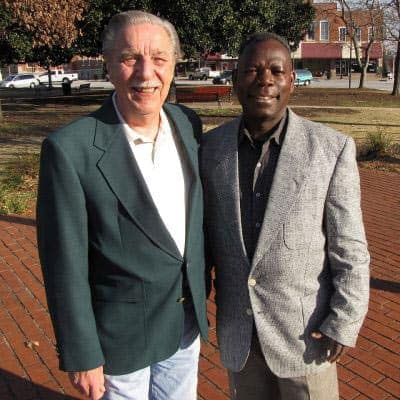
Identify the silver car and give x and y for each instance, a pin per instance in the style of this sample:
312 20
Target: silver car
26 80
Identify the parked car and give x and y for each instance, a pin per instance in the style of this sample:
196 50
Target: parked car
225 78
372 67
58 76
20 81
303 77
203 73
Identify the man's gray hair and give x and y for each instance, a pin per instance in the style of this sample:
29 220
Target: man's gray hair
136 17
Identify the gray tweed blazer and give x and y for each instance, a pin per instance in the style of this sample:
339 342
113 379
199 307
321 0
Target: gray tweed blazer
310 270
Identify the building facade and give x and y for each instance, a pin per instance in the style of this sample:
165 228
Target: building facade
327 48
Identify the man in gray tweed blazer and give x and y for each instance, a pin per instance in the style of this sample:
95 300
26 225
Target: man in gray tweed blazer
285 234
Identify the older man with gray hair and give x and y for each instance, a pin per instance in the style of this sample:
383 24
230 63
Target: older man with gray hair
119 219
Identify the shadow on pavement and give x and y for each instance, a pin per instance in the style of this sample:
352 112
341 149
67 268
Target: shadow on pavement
14 219
17 388
387 286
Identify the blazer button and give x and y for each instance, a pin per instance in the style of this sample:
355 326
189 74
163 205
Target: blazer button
249 312
252 282
181 299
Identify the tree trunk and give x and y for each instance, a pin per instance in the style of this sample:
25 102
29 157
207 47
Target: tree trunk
1 113
396 72
363 74
49 77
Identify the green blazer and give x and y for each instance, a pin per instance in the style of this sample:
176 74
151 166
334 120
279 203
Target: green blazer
113 274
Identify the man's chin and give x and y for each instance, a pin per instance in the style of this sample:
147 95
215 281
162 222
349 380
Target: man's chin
259 113
147 108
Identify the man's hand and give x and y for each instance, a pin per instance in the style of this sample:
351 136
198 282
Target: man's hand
89 383
335 349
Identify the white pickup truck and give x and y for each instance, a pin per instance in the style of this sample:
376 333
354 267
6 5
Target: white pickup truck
203 74
58 76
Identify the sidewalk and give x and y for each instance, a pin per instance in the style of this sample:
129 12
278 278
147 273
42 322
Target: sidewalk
28 362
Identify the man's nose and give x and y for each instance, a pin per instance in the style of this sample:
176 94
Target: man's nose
144 69
265 76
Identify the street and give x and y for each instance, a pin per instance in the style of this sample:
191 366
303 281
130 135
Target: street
372 82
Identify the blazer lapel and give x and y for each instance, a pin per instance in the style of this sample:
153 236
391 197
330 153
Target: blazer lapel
123 175
291 171
227 175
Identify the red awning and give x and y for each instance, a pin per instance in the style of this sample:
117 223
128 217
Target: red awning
320 50
213 57
376 51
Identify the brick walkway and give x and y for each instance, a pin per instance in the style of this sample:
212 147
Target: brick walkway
28 363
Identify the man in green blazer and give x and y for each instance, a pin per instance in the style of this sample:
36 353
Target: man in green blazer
119 218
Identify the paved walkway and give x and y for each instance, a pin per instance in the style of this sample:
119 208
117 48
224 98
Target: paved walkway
28 362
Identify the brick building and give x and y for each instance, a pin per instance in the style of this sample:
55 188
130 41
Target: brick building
327 45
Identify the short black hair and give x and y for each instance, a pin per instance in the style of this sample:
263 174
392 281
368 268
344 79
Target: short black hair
261 37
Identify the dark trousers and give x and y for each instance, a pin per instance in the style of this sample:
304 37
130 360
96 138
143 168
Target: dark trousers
257 382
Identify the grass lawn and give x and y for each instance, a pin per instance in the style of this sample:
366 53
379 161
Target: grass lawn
24 122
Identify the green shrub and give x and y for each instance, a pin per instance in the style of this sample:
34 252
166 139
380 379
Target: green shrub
377 144
18 186
14 203
395 149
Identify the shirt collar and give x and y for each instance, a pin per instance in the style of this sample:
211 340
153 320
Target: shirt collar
277 134
135 137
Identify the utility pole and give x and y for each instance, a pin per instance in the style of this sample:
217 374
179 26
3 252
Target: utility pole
351 48
341 61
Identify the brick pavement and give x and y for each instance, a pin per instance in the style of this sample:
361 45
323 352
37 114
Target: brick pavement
28 362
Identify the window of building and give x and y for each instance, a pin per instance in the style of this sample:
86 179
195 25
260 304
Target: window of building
324 30
311 31
342 34
358 35
370 33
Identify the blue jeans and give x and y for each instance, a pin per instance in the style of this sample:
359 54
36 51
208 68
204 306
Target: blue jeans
172 379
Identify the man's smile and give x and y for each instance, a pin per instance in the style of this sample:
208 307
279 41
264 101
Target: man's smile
145 90
265 98
146 87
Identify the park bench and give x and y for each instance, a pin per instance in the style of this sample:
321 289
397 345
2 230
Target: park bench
83 87
193 94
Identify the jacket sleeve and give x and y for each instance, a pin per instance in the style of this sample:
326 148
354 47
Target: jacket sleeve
62 229
347 251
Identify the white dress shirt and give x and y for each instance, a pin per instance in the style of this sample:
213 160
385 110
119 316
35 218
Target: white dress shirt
164 173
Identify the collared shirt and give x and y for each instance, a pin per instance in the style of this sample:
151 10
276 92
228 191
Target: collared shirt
257 164
164 173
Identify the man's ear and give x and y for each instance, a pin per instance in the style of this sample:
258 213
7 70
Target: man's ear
293 80
234 77
106 66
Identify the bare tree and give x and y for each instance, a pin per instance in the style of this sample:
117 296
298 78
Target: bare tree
358 16
392 30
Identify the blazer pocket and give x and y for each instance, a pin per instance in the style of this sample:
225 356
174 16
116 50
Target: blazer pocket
296 236
123 293
121 327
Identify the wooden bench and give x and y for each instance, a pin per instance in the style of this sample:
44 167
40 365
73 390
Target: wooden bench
83 87
194 94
